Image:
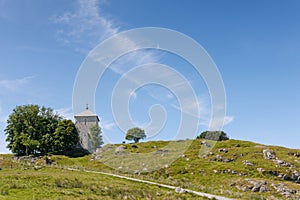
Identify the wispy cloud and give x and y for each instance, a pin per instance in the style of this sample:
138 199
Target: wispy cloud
107 125
86 25
66 113
15 84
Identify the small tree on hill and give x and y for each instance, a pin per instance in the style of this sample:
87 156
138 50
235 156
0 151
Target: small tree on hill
95 137
135 134
213 135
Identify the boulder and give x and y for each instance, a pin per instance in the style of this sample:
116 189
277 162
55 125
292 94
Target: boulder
269 154
120 149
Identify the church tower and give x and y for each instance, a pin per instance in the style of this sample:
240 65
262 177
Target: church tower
84 121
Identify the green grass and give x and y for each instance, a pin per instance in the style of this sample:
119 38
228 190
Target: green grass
162 161
49 183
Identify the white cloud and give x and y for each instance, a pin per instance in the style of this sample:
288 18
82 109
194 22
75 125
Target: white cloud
190 106
220 122
86 25
107 125
13 85
66 113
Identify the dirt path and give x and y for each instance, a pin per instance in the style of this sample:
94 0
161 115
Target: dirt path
177 189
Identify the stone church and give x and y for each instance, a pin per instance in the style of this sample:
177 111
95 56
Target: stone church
83 122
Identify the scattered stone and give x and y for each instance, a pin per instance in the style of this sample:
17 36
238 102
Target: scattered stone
223 150
48 161
182 156
237 145
219 158
154 147
283 190
284 177
228 160
243 188
136 172
264 188
253 185
120 149
180 190
273 173
247 163
97 157
256 188
134 146
215 171
282 163
232 184
37 167
269 154
205 143
260 170
294 154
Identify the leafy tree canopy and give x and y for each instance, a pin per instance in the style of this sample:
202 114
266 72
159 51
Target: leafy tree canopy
213 135
95 137
65 136
135 134
32 129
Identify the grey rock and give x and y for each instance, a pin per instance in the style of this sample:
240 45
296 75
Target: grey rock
264 188
228 160
260 170
120 149
269 154
247 163
180 190
223 150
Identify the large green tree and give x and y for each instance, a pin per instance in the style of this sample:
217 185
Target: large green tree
95 137
26 126
135 134
32 129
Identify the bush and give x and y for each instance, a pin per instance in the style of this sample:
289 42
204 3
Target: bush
213 135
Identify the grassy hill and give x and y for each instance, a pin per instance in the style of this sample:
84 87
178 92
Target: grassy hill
232 168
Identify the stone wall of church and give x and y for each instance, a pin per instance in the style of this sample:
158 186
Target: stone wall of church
83 125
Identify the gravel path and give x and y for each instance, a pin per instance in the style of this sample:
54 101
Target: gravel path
176 189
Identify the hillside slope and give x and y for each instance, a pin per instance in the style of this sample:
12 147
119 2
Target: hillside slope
236 169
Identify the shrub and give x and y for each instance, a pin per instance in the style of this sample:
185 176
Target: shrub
213 135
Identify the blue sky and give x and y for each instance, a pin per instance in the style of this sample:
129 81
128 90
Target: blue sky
255 45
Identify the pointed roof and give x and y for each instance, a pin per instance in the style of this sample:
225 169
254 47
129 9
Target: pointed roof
85 113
